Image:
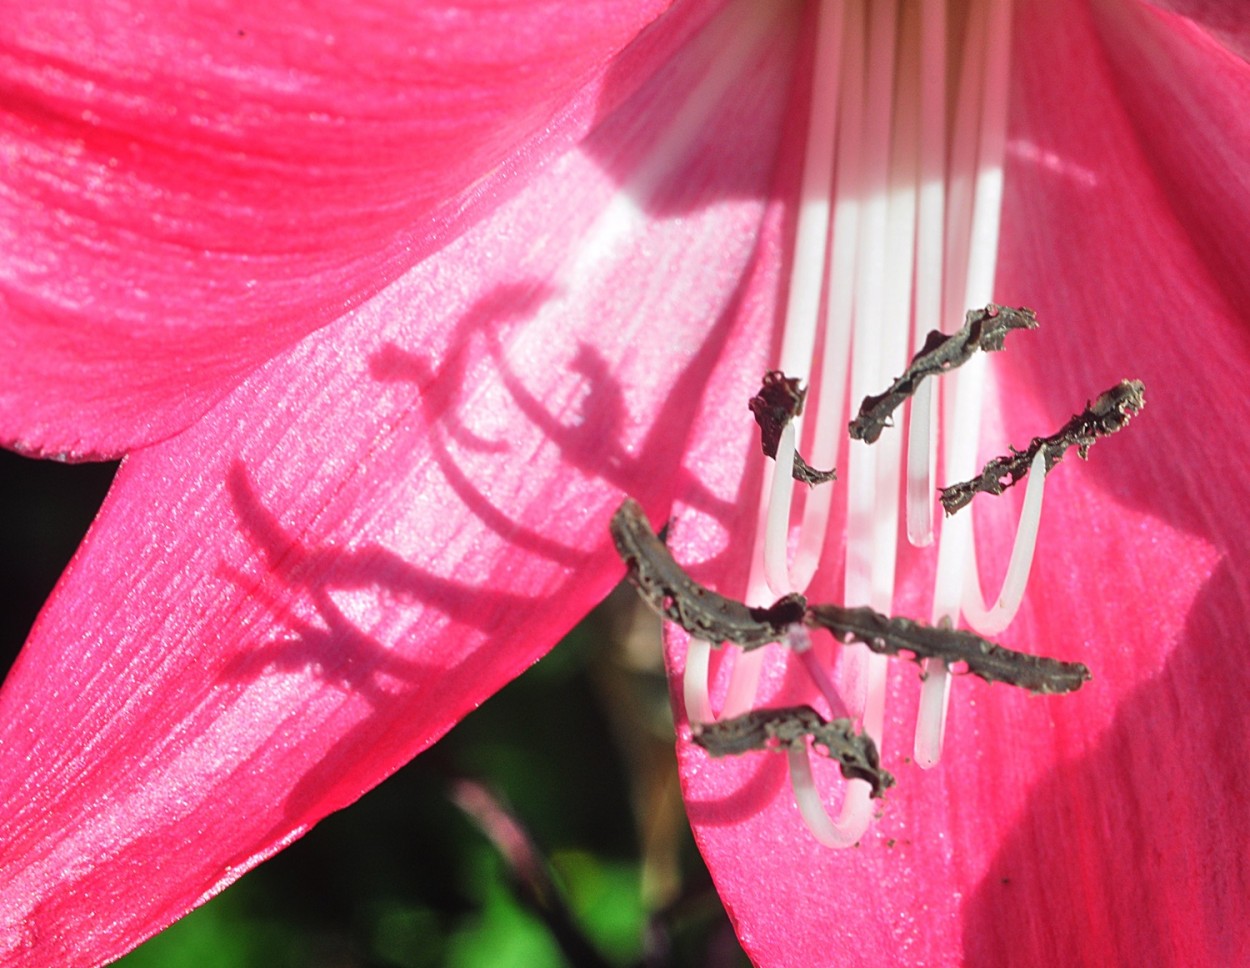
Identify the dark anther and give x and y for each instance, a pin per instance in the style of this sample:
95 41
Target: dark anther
787 728
993 663
679 598
1110 412
983 329
779 401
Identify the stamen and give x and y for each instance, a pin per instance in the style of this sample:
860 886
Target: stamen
807 274
784 729
991 662
694 681
872 478
935 694
812 230
983 329
935 691
740 693
871 501
777 528
899 245
800 642
921 458
777 405
743 682
995 51
674 595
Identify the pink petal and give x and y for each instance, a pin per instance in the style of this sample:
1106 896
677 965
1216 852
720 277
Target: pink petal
282 605
189 191
1106 827
1224 20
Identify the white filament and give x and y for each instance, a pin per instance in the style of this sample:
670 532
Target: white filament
871 504
991 621
853 820
930 239
935 695
977 176
743 683
694 681
870 541
830 409
921 456
898 227
799 641
935 690
812 231
807 273
777 522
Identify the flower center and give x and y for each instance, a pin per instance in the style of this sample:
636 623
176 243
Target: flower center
897 234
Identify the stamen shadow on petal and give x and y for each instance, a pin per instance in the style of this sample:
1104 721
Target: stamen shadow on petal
329 784
332 645
441 383
590 442
750 798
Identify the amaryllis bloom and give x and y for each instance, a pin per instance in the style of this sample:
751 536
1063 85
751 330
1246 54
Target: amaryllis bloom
389 308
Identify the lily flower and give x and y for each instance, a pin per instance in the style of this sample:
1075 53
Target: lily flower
387 314
1052 825
362 303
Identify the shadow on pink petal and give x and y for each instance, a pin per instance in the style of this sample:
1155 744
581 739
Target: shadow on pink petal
440 385
589 443
336 648
751 798
296 576
1138 853
333 782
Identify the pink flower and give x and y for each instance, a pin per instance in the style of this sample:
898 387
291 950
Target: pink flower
385 341
1106 827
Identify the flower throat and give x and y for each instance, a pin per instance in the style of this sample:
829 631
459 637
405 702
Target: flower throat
896 235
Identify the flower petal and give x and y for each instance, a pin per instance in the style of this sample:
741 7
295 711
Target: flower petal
189 191
282 605
1224 20
1104 827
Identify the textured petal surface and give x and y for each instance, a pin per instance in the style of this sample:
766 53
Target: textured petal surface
1106 827
1225 20
281 606
190 188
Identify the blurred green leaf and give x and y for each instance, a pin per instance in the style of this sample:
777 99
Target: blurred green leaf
606 897
503 934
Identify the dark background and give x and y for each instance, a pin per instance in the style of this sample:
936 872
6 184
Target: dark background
577 753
